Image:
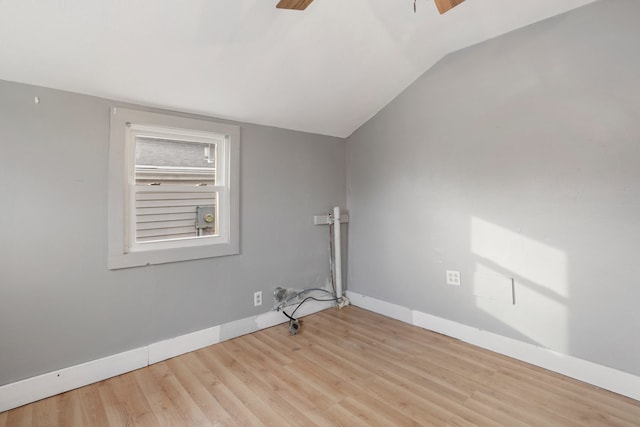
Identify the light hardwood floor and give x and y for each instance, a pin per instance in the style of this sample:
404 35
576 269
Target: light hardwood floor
347 367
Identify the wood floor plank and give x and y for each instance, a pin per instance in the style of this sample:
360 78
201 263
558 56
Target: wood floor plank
231 374
21 417
377 359
497 411
564 399
93 412
272 354
254 380
164 397
346 367
316 371
529 409
579 392
457 421
70 410
431 394
361 406
320 372
125 403
198 392
414 406
45 413
290 387
116 411
340 416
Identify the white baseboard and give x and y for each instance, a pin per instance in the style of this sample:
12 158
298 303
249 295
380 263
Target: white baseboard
592 373
388 309
35 388
42 386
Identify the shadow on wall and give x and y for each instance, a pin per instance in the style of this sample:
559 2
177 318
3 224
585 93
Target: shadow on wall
512 270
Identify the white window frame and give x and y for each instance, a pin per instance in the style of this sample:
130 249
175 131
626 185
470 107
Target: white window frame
126 125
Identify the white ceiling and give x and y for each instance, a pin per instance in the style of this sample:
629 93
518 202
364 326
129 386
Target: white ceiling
326 70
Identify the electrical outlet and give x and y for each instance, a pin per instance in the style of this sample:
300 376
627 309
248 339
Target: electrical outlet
453 278
257 298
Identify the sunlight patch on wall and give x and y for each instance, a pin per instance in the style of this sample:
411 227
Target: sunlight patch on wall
521 282
530 260
492 285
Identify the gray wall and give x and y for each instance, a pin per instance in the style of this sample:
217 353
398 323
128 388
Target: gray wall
60 305
515 158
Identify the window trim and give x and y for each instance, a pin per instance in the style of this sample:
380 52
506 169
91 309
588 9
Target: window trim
123 122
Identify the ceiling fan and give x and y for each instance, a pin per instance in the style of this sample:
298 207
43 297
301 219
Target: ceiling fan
443 5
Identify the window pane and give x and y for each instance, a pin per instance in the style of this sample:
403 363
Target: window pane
173 215
163 161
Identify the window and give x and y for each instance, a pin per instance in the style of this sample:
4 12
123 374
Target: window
173 189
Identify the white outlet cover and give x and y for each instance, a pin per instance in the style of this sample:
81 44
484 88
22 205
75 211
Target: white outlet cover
453 278
257 298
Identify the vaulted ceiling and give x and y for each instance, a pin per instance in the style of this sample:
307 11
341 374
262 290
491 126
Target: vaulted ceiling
325 70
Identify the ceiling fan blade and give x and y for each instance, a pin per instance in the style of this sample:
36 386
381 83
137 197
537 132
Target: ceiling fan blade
293 4
446 5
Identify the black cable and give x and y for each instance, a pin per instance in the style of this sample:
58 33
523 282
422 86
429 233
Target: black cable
293 319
